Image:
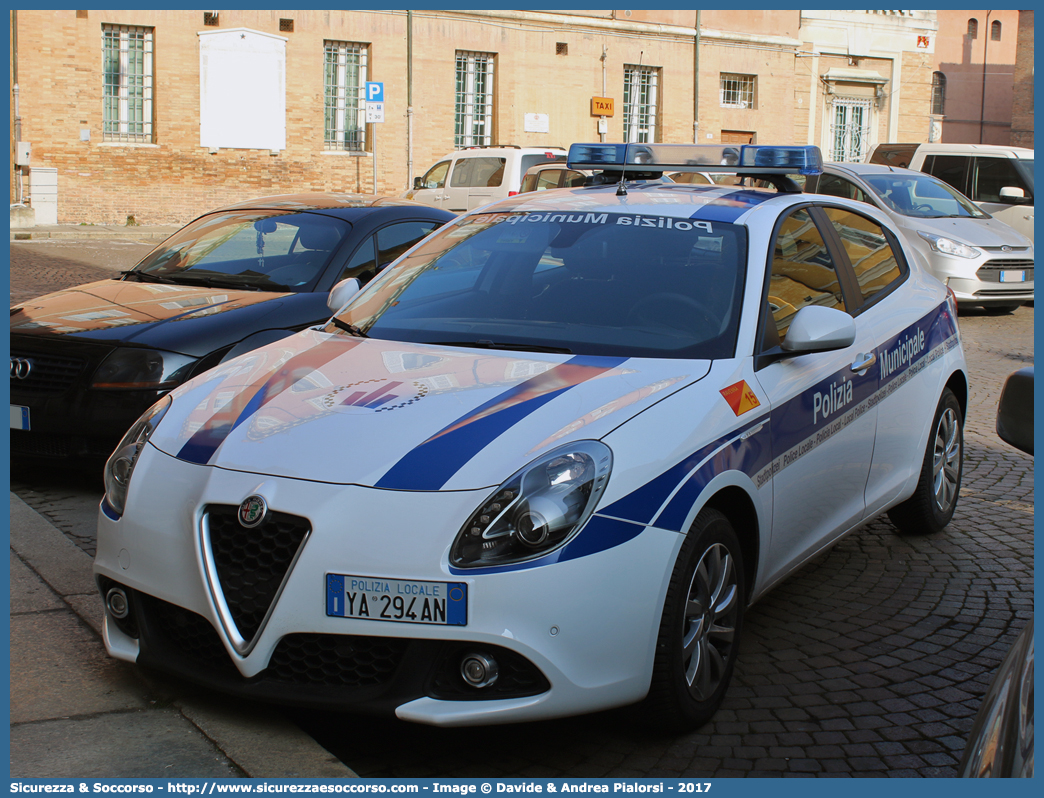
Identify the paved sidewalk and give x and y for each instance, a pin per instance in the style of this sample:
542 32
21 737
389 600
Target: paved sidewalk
76 713
56 232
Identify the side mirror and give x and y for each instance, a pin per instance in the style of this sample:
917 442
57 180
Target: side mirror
341 293
819 329
1015 410
1012 195
418 183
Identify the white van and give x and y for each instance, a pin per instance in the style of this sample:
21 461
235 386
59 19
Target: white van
997 179
469 178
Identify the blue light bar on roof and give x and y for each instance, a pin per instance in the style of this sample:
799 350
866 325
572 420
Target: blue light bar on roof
736 159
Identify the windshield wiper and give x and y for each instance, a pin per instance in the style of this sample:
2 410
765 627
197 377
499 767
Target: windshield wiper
146 277
486 344
349 328
216 282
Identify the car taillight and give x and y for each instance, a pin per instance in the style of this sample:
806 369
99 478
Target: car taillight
512 193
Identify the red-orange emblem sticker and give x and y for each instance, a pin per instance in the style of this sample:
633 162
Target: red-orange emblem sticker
740 397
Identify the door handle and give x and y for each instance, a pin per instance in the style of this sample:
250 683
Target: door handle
863 362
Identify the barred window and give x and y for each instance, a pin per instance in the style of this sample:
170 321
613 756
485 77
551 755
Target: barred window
995 30
473 116
737 91
938 93
127 65
849 129
641 96
973 28
344 65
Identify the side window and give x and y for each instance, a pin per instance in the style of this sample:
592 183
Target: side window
803 272
835 186
460 177
362 265
993 174
548 178
952 169
395 239
488 172
875 264
436 176
574 179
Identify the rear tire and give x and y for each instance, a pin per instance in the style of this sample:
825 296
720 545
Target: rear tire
931 507
700 627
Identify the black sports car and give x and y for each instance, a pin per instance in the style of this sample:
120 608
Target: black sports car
87 361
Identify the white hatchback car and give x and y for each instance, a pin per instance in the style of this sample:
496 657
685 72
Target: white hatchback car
542 464
984 261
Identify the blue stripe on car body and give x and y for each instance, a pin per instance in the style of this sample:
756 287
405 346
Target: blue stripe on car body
433 463
752 454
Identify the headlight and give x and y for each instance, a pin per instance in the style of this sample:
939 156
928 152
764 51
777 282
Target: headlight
120 465
947 246
538 510
142 368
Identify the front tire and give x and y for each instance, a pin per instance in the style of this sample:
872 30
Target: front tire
699 633
931 507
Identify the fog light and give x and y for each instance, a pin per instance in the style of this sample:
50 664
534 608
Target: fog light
479 670
117 604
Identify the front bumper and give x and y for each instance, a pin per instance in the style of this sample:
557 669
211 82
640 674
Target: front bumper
67 418
981 281
574 637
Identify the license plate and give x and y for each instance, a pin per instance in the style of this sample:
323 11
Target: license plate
1013 277
19 417
373 598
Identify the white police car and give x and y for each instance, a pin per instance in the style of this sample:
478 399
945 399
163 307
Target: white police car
542 465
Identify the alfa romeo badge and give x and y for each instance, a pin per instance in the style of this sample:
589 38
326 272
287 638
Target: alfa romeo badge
252 511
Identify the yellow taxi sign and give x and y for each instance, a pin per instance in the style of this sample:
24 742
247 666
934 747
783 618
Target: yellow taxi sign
601 106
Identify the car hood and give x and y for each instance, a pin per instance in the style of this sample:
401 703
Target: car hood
401 416
977 232
188 319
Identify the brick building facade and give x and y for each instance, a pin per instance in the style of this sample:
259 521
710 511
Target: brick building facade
1022 102
162 114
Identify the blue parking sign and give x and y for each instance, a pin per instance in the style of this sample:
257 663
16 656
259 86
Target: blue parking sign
374 92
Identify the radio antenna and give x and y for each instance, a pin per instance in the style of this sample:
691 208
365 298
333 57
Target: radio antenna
621 189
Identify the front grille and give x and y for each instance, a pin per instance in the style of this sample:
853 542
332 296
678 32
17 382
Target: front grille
336 660
33 444
26 443
190 635
990 271
252 563
48 374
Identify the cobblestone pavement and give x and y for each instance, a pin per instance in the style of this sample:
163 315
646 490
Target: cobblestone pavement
870 661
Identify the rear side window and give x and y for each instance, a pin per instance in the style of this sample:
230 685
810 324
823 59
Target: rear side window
548 178
875 263
993 174
477 172
395 239
952 169
835 186
803 273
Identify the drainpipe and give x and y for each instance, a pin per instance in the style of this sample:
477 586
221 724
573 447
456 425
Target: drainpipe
601 136
409 100
17 115
985 49
696 83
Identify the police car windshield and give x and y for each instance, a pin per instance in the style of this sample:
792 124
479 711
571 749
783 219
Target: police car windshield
638 285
